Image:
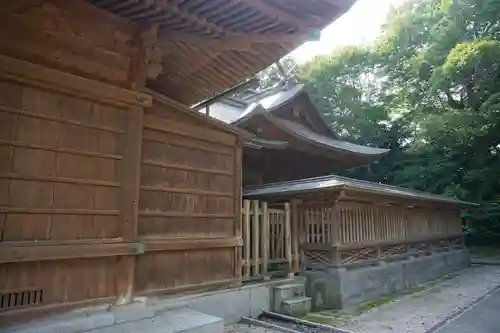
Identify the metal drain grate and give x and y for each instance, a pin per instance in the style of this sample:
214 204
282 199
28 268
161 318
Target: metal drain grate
21 298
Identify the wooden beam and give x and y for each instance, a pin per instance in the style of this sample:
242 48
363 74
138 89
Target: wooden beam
277 13
40 76
38 251
152 243
343 4
241 42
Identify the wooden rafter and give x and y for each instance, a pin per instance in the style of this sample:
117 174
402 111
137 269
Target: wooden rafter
168 7
281 15
341 3
242 42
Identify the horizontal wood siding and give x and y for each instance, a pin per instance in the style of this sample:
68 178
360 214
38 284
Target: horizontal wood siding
187 191
102 198
60 169
98 198
68 35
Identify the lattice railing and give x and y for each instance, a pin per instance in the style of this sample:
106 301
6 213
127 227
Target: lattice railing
365 254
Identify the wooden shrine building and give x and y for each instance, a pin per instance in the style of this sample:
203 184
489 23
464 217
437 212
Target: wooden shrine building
288 130
338 223
110 186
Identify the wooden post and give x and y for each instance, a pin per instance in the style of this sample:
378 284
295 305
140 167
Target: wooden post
238 170
288 238
295 234
131 166
246 241
265 238
255 237
129 202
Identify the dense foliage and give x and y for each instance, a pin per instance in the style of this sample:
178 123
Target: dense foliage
429 89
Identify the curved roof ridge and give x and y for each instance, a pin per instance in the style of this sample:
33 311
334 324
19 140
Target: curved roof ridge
321 140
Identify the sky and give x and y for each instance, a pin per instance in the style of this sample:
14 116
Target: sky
360 25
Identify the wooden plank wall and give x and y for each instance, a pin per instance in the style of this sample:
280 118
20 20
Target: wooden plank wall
104 194
68 35
187 196
60 181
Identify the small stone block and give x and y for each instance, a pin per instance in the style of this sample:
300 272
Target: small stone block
296 306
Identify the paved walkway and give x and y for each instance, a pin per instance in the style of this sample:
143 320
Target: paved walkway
482 318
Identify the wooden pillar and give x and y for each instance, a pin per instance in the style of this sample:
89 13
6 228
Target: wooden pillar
288 238
131 165
238 180
246 241
265 238
294 207
131 169
255 237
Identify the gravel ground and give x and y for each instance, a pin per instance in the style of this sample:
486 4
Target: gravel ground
418 312
244 328
412 313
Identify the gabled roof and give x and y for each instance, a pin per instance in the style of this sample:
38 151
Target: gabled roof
334 182
265 104
205 46
322 141
238 111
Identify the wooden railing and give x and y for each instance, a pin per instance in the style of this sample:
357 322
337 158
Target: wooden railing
353 233
365 254
267 240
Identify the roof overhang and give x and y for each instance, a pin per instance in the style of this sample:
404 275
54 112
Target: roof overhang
203 47
336 184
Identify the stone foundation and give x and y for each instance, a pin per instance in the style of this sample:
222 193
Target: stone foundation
343 287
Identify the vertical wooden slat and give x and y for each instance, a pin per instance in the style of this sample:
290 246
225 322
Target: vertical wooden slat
238 170
288 236
246 240
295 234
265 238
255 237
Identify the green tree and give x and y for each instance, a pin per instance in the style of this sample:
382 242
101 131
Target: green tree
429 89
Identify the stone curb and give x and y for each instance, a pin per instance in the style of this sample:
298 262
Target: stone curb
256 322
304 322
485 262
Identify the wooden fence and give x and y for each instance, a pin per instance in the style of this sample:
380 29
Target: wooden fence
267 240
353 233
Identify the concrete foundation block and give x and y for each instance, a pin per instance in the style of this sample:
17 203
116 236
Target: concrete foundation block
341 287
260 300
324 289
228 305
296 306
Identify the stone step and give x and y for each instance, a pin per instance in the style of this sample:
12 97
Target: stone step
286 291
292 289
298 306
175 321
130 319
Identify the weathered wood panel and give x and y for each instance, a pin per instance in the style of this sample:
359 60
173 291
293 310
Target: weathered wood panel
99 200
187 192
61 184
68 35
62 166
